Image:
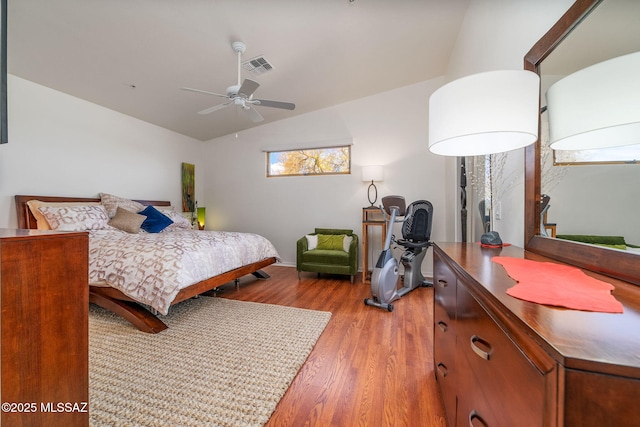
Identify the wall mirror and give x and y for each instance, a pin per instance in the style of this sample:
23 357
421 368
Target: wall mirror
590 31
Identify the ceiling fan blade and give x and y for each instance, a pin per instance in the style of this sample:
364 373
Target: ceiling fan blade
275 104
203 91
253 114
215 108
248 87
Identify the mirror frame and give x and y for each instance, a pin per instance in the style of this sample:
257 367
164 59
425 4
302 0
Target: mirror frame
611 262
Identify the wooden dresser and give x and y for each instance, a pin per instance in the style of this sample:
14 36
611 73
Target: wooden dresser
501 361
44 304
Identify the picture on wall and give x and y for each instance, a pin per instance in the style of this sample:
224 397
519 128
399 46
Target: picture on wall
188 187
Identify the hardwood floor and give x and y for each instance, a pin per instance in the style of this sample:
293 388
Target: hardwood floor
369 367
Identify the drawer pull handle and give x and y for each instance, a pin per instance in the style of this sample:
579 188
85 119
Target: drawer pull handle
443 326
442 369
485 354
473 416
443 283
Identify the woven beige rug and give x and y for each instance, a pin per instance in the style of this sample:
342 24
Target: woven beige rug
220 363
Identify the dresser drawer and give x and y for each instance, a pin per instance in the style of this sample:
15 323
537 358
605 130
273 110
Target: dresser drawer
444 286
444 337
473 408
444 355
444 334
513 389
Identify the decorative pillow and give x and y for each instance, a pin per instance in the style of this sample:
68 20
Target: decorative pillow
179 221
156 221
127 221
312 241
334 242
41 221
76 218
112 203
346 243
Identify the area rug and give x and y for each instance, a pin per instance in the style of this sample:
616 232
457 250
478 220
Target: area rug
221 363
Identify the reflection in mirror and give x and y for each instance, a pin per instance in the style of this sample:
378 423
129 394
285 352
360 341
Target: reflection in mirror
478 196
627 154
489 178
596 107
588 198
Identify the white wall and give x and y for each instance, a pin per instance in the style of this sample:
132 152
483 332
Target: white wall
61 145
495 35
388 129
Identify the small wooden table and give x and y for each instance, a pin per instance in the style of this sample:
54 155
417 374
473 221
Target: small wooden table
371 217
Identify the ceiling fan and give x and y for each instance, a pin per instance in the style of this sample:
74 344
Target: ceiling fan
242 94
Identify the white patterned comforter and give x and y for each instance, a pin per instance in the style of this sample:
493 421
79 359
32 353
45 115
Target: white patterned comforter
152 268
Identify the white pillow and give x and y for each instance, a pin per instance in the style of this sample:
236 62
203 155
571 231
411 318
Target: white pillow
346 243
312 241
76 218
179 220
41 221
112 203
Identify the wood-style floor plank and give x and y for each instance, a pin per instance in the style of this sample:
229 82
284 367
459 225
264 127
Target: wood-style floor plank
369 367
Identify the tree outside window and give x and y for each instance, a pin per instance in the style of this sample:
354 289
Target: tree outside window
317 161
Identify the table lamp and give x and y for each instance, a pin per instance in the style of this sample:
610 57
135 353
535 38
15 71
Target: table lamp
201 216
372 173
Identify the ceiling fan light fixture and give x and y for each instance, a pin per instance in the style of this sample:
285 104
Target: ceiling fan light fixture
241 94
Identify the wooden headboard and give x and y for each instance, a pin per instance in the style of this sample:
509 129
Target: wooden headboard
28 221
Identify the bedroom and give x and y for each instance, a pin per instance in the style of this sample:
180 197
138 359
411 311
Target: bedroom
66 145
53 134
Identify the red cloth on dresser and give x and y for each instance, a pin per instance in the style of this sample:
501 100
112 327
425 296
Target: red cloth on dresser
559 285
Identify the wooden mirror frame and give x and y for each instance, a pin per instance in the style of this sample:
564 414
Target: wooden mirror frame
611 262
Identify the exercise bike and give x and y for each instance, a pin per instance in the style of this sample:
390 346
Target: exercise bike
416 232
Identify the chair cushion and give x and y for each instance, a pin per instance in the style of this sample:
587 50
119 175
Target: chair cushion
323 256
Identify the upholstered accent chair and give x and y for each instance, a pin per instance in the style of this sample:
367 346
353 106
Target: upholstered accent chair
328 250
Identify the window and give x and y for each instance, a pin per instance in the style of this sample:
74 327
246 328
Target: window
627 154
316 161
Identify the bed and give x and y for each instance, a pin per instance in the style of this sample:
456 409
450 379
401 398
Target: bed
136 274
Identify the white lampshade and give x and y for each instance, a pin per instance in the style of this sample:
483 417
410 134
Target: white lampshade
372 173
485 113
596 107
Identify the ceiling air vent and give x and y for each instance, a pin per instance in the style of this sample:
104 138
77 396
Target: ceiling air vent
258 65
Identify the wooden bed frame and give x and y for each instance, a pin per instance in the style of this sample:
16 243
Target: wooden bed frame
119 303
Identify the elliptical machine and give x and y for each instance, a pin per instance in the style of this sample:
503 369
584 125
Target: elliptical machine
416 233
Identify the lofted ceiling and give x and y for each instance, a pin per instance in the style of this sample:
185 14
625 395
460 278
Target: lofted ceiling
133 56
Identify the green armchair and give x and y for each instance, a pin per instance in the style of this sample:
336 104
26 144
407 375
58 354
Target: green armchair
328 250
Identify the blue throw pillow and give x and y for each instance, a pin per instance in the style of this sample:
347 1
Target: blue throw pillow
156 221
